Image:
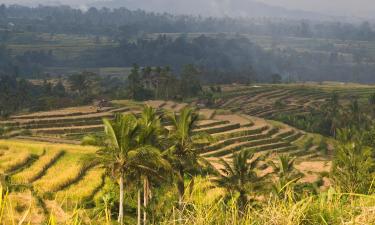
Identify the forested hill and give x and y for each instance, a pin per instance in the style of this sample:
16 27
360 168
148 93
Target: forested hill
64 19
63 40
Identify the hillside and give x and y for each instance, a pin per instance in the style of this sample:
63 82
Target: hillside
48 165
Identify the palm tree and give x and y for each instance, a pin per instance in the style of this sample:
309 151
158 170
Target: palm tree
333 113
152 165
353 164
152 134
286 173
122 154
240 176
184 154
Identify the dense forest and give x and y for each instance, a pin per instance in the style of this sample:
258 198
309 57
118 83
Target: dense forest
85 88
122 21
227 49
35 41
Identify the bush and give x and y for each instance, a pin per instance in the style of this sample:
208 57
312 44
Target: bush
308 144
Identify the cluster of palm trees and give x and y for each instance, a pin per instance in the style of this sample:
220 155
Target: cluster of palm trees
140 150
334 114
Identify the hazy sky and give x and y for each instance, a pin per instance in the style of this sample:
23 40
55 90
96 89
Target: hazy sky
356 7
342 7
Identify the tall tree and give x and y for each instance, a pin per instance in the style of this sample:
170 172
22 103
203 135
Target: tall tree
152 134
333 113
123 155
134 82
184 153
190 81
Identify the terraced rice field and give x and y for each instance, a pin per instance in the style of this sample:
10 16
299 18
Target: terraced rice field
55 172
234 131
269 101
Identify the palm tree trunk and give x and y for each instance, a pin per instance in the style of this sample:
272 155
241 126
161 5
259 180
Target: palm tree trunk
181 192
181 188
145 198
121 204
242 202
139 207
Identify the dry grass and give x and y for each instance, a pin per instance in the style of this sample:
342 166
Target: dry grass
22 206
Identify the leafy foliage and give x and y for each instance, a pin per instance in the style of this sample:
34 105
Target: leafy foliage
353 165
287 176
241 176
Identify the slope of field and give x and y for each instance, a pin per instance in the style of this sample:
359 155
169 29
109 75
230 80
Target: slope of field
270 101
55 172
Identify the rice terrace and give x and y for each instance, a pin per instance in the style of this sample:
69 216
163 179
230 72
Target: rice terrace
45 164
247 112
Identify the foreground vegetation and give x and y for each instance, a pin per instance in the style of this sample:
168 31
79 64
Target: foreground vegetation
208 206
166 178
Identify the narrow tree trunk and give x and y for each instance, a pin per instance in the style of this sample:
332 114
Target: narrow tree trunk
121 204
181 189
139 207
145 199
181 192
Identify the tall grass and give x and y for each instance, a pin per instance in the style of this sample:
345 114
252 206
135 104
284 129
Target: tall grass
330 207
207 205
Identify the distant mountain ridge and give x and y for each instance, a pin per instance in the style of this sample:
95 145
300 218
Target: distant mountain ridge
215 8
205 8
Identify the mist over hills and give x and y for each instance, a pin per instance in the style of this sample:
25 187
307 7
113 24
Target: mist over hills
216 8
207 8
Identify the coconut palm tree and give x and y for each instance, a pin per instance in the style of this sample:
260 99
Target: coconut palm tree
353 164
152 134
183 153
287 174
333 114
240 176
153 166
122 153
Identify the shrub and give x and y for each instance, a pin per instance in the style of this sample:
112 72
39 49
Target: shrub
308 144
323 146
